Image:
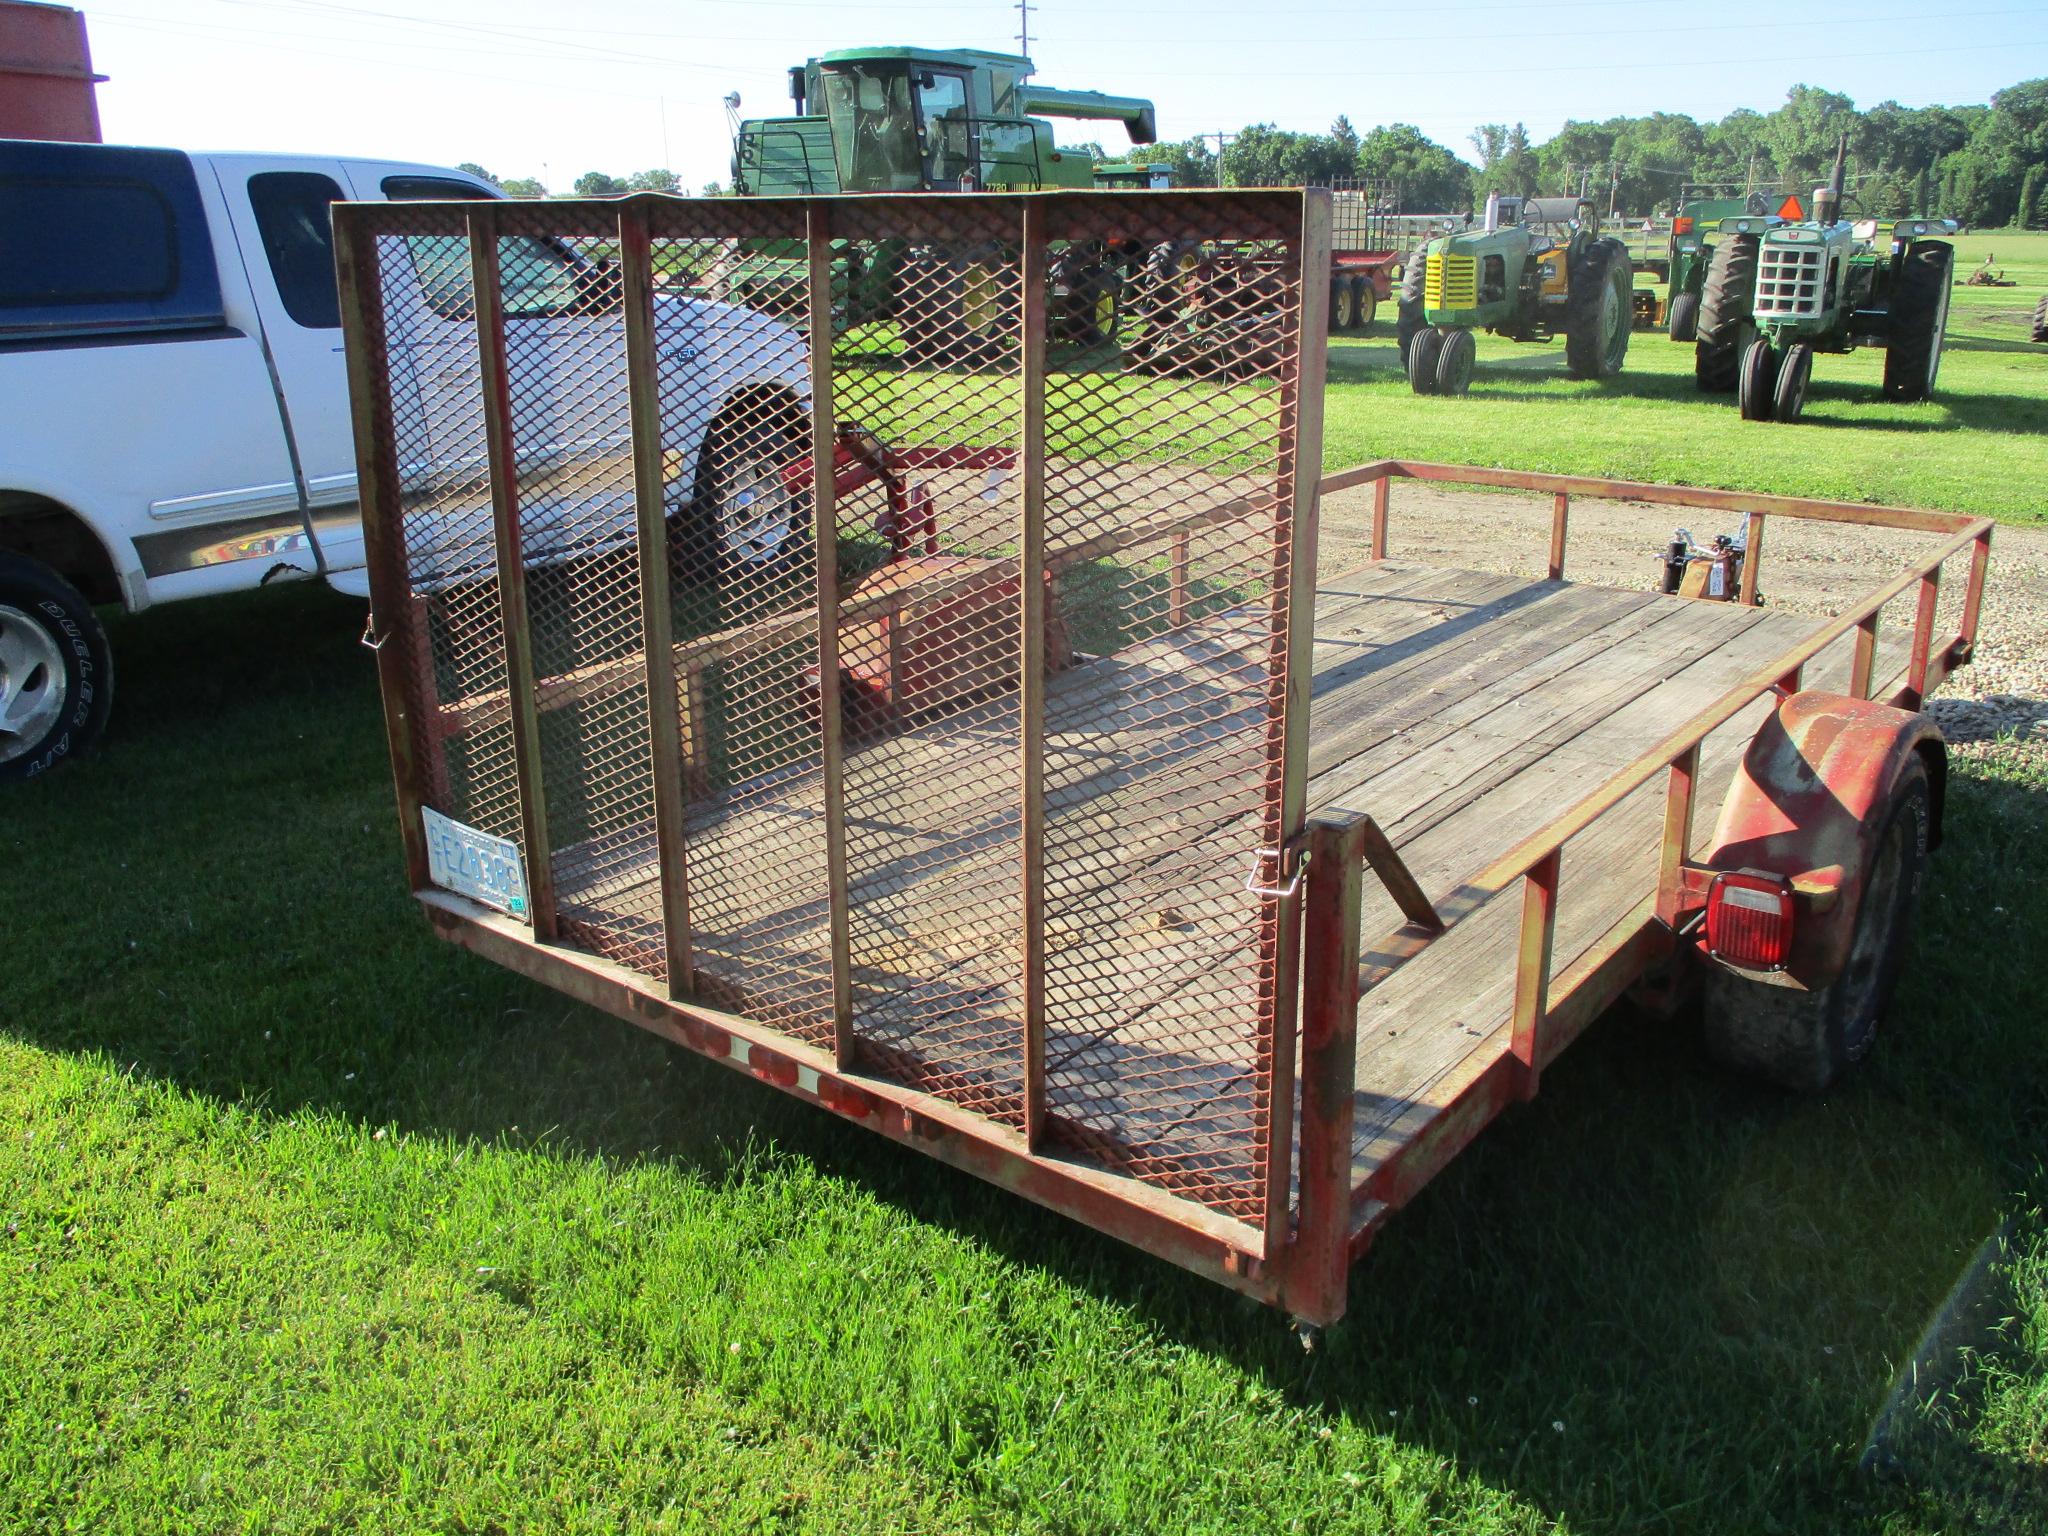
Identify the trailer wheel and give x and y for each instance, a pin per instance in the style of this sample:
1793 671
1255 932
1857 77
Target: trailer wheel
2041 319
1365 299
1599 312
1759 381
1788 395
1684 317
1726 326
1805 1040
1343 304
56 670
1454 363
1409 322
1423 354
1919 316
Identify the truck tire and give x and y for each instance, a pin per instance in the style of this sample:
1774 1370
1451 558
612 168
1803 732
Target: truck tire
1683 317
1408 321
745 525
2041 320
1424 352
1599 312
1919 321
1726 326
56 671
1805 1040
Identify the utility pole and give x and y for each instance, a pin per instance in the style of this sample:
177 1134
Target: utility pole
1024 27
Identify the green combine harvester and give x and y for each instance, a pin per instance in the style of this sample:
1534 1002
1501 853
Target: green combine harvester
935 120
1517 280
1776 292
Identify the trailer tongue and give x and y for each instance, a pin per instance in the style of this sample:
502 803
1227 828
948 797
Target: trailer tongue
1013 794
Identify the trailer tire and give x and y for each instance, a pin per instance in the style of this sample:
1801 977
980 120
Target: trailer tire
2041 319
1424 352
1409 322
1726 323
1919 320
1805 1039
1366 301
56 670
1343 304
1599 312
1684 317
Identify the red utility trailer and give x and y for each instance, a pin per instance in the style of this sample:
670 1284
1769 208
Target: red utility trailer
1364 249
1032 803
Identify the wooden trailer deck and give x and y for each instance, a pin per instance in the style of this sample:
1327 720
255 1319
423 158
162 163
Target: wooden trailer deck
1461 710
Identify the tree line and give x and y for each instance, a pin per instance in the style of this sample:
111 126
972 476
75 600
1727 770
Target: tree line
1984 165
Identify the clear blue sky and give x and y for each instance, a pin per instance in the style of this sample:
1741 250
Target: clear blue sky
542 87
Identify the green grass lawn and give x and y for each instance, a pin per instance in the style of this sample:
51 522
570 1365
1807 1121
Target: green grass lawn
1979 446
311 1223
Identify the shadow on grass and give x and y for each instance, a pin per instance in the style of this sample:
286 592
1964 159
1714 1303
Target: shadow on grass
1653 1291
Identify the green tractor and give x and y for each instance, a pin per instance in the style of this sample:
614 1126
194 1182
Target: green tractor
1776 292
1691 253
1518 280
935 120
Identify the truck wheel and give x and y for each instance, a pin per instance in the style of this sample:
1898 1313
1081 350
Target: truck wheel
1365 299
1759 381
1726 307
56 672
1343 304
1788 395
1454 363
1408 321
1684 317
1423 354
1805 1040
745 522
1599 312
2041 320
1919 316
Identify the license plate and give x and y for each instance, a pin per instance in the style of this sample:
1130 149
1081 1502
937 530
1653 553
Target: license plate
475 864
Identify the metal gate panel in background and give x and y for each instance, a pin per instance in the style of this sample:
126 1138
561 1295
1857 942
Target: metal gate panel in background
880 618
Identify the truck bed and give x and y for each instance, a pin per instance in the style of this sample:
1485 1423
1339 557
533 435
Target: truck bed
1463 711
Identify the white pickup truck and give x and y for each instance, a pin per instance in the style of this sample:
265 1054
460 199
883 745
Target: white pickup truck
176 418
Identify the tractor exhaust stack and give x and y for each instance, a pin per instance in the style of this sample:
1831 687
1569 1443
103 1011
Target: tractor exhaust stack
1827 200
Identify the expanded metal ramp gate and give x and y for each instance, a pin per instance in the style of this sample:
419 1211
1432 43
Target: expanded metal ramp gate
865 638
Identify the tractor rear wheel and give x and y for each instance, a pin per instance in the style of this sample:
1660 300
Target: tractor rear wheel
1599 312
1454 363
1756 392
1424 352
1409 322
1684 317
1788 395
1805 1039
1726 326
1919 315
2041 320
1366 300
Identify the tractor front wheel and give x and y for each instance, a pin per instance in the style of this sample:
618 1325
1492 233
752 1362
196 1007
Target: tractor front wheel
1804 1039
1599 312
1454 363
1788 395
1919 315
1726 326
1424 352
1758 387
1683 316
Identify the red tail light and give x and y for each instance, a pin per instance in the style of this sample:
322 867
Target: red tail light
1749 919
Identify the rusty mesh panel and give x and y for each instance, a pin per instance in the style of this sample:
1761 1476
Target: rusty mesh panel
731 337
455 635
1168 534
929 653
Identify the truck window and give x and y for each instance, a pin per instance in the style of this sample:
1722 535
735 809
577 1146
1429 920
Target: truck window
430 189
537 277
96 240
291 216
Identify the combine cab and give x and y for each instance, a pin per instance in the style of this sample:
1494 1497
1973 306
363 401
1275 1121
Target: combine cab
1520 281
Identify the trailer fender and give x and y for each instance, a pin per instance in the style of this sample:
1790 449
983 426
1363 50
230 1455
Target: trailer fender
1807 803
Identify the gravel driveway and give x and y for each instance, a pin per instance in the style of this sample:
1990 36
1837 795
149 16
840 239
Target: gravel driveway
1806 567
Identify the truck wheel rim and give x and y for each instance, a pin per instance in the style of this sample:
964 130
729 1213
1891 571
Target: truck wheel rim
754 511
33 683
